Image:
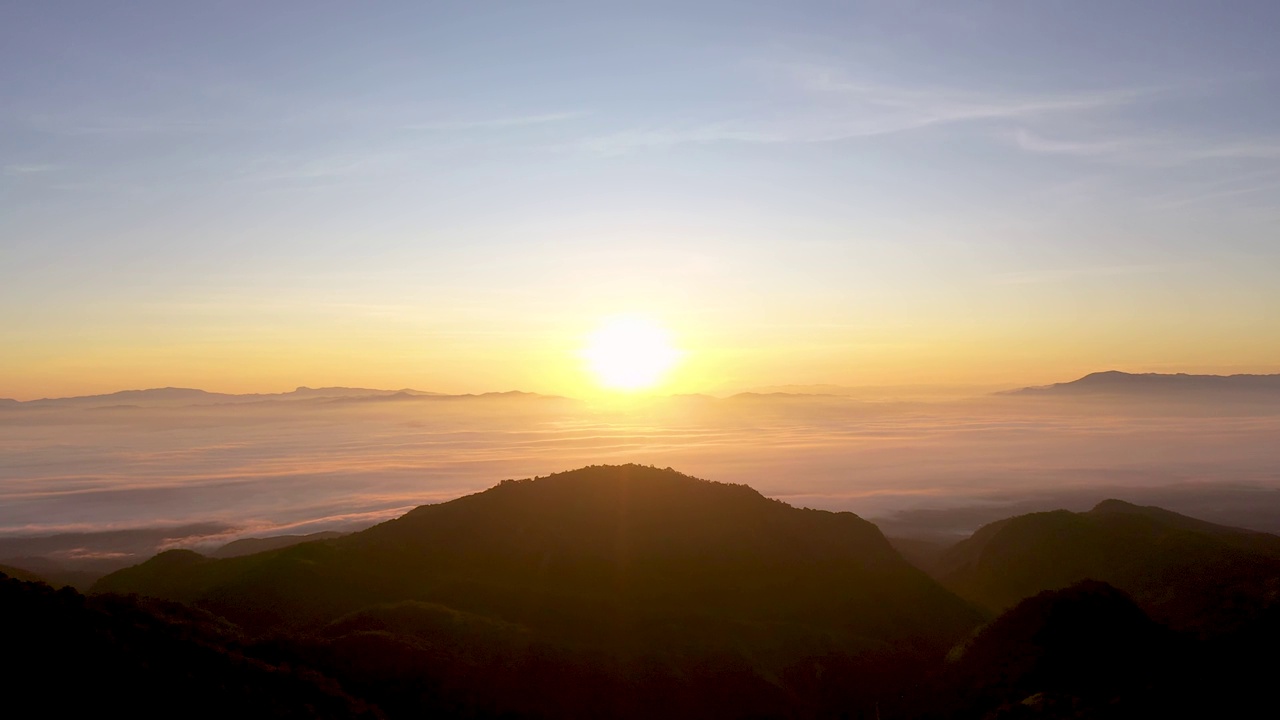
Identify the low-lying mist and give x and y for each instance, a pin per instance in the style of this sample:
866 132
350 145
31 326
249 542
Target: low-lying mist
203 475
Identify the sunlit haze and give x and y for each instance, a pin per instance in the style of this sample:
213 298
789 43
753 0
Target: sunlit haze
630 353
446 196
698 360
800 245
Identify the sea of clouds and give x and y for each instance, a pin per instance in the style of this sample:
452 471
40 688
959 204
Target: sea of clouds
220 472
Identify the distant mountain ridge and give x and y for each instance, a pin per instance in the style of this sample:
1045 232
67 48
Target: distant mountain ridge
188 397
1114 382
249 546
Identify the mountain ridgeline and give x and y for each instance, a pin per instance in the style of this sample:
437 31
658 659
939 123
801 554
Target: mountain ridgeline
1174 386
651 573
630 591
1187 573
1123 610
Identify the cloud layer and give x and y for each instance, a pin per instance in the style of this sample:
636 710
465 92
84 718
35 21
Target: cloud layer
275 468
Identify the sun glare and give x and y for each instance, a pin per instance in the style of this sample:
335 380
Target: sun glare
630 353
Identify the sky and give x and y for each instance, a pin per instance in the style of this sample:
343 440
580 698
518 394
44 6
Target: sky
249 197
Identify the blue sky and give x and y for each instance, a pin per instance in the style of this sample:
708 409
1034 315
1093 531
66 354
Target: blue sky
806 192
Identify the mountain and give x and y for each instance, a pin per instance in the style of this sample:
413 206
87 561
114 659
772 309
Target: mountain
621 544
646 584
1088 650
1184 572
881 393
249 546
71 656
1082 651
186 397
21 574
630 591
1115 383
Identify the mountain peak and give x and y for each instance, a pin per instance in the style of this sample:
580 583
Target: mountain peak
577 552
632 511
1141 550
1118 383
1106 374
1114 505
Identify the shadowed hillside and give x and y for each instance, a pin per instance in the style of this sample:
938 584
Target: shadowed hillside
620 545
637 592
1183 571
1082 650
71 656
1088 650
638 567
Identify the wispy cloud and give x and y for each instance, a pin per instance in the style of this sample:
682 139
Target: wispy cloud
1265 149
318 169
1163 170
495 123
1158 150
1034 143
1032 277
28 169
123 125
831 106
920 106
1267 181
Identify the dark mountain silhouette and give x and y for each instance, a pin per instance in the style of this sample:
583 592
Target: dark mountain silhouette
701 592
249 546
1088 650
626 543
1122 384
636 592
108 656
921 552
1084 650
1183 571
20 574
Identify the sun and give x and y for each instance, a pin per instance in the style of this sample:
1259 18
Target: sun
630 353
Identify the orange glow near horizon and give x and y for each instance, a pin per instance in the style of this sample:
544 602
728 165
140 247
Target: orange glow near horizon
578 352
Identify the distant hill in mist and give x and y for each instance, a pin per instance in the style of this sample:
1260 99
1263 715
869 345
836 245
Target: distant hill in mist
881 393
21 574
1185 572
249 546
191 397
1155 385
80 558
171 396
